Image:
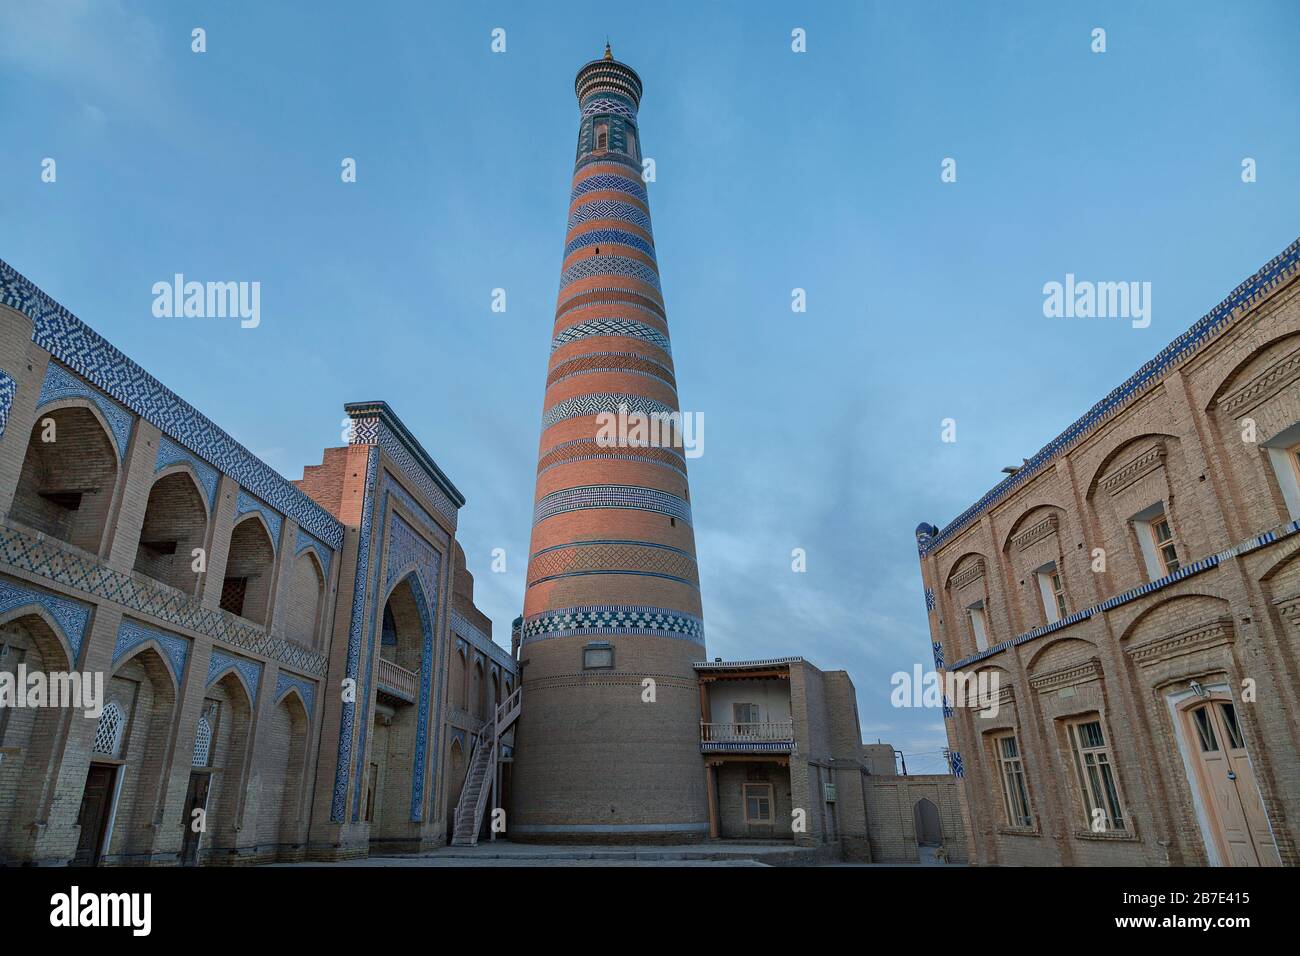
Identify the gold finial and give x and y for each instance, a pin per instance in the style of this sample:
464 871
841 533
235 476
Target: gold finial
609 54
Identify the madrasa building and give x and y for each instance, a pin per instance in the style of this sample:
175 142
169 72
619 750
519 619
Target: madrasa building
1134 591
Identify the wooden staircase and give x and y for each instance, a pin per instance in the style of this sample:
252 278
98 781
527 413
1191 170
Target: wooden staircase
484 777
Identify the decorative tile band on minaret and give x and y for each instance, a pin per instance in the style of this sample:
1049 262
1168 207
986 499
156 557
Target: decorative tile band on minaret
609 741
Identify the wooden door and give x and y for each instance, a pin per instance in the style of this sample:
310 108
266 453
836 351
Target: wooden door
96 800
1227 785
196 798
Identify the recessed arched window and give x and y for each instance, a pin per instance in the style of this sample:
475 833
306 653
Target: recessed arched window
108 735
602 136
631 142
202 743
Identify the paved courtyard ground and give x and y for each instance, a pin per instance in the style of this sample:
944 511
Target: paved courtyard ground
504 853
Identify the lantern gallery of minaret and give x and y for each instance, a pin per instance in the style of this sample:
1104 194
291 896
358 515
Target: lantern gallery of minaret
608 746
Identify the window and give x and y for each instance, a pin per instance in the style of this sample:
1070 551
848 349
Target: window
1092 764
1052 589
978 625
597 655
203 735
1283 450
631 142
1229 713
1015 795
1165 549
602 136
758 802
1156 538
744 716
108 734
1205 730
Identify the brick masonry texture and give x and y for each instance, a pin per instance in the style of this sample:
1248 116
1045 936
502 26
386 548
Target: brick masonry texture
223 629
1201 435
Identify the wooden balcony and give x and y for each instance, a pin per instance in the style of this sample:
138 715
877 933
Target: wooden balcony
398 682
769 737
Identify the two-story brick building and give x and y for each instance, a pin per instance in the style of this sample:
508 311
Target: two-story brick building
1135 590
292 669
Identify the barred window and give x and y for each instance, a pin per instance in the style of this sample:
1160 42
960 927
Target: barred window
203 737
108 735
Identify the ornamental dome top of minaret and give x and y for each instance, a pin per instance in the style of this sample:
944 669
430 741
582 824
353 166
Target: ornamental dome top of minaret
605 77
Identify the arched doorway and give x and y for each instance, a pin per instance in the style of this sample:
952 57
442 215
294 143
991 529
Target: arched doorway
925 817
68 477
391 758
281 823
455 782
128 761
217 770
27 638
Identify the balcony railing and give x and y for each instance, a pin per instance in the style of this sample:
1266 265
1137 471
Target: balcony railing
776 736
398 681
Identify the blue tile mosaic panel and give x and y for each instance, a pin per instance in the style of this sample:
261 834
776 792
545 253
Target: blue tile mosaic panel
60 384
71 616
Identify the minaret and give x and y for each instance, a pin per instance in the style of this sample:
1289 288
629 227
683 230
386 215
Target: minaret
609 741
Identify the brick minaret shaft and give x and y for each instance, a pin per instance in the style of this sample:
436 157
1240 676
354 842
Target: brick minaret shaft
612 591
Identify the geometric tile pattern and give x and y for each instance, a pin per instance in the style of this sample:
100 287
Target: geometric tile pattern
407 552
606 265
630 497
610 295
601 237
87 353
81 572
587 449
1276 271
625 327
628 362
608 105
608 403
580 558
170 453
8 388
937 648
614 159
246 503
370 428
61 384
603 183
929 599
220 662
613 619
304 687
71 616
348 719
175 649
610 209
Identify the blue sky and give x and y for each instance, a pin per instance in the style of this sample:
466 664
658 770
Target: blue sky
775 170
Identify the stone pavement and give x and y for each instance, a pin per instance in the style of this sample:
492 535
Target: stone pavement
505 853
